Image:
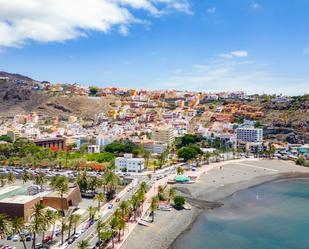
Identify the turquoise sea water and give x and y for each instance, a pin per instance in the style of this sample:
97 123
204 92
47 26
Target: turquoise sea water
270 216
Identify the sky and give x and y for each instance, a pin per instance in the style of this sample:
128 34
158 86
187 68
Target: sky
257 46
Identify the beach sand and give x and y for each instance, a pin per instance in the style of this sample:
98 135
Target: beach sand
209 192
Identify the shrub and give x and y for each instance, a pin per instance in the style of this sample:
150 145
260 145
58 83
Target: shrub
179 202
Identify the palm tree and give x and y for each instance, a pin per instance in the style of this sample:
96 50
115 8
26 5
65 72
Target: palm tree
149 176
99 226
75 220
171 194
114 225
100 197
135 204
84 244
70 225
207 156
160 192
121 226
144 187
5 226
91 211
17 226
83 181
61 185
25 176
38 223
2 180
124 208
52 217
147 157
179 170
11 178
39 179
112 181
153 207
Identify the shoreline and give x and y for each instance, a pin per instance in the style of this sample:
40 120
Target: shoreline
205 195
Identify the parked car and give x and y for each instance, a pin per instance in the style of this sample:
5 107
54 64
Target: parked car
15 238
47 239
77 234
71 240
110 206
58 232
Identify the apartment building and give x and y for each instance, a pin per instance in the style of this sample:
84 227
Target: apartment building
163 135
249 134
130 164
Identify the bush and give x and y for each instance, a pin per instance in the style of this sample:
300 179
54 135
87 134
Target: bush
6 138
301 160
179 202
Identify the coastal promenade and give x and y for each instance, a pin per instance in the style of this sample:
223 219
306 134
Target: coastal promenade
131 225
215 182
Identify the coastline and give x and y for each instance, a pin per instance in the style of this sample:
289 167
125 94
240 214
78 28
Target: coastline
209 193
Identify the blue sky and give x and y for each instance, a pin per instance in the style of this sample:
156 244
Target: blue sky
203 45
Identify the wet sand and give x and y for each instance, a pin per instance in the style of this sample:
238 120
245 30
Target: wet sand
212 187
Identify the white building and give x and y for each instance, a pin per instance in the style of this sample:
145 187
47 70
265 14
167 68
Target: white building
93 149
104 140
249 134
130 164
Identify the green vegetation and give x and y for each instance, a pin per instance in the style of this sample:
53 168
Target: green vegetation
6 138
301 160
93 90
190 152
121 147
101 157
27 154
179 202
188 139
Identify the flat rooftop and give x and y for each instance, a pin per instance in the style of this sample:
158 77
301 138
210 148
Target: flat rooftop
19 199
56 194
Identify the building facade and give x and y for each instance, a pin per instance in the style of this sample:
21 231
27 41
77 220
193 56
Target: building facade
164 135
249 135
130 164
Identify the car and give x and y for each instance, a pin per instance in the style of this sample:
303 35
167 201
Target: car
9 237
110 206
38 245
57 232
15 238
71 240
83 229
29 238
47 239
77 234
117 199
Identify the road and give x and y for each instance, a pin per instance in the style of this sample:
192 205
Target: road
105 213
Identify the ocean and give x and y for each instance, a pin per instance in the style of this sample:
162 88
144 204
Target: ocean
274 215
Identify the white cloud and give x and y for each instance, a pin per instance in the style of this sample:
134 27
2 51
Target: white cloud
212 10
235 54
255 6
230 75
61 20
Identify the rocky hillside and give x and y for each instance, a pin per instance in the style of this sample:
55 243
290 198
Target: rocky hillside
16 99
